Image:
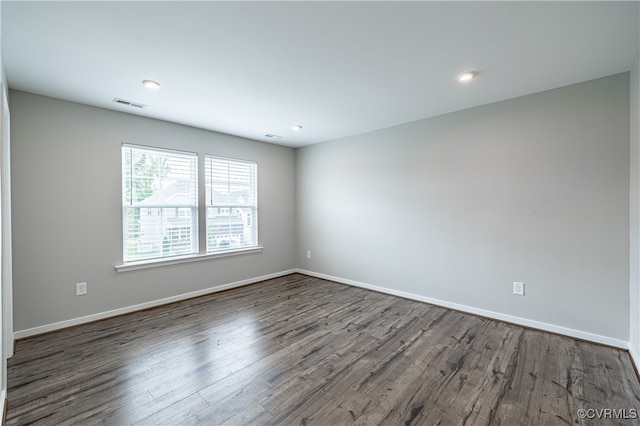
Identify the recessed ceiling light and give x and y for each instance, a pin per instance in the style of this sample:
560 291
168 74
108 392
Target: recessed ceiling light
467 76
296 127
150 84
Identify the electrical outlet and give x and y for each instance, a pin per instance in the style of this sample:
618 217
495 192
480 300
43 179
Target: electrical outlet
518 288
81 289
308 254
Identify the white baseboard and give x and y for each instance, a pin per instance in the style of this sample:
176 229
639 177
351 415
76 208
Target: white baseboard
635 357
578 334
128 309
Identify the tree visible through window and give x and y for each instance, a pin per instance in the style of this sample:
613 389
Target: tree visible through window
160 203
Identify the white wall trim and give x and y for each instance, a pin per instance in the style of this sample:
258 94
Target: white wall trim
7 245
156 263
635 357
578 334
3 400
21 334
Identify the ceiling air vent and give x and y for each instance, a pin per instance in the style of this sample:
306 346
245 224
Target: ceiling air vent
272 136
129 103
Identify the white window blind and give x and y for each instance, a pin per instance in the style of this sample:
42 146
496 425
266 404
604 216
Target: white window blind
232 204
159 203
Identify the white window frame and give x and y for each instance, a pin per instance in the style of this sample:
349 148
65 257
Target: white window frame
160 246
199 217
231 202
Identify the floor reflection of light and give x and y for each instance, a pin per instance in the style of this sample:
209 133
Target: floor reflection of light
205 353
242 340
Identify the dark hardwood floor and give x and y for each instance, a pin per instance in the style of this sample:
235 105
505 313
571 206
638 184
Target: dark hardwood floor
300 350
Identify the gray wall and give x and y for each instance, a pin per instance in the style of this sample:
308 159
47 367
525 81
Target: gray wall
457 207
67 221
634 213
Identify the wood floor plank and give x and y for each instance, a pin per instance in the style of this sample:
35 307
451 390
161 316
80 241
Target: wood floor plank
301 350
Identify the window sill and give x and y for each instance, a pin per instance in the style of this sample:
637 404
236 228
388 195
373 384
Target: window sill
133 266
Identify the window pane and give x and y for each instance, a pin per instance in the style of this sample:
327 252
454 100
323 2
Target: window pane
158 177
159 203
231 197
229 229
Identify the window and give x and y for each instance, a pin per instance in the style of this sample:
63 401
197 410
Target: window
231 203
160 207
160 203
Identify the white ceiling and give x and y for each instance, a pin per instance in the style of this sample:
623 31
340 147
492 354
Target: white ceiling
336 68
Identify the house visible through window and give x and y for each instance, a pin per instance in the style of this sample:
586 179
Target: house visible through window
160 207
231 200
160 203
